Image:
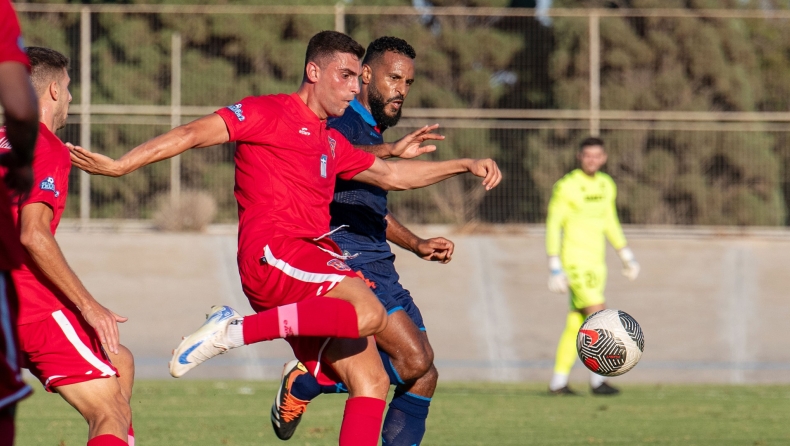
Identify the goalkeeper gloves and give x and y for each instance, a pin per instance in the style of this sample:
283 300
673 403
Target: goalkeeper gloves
558 281
630 267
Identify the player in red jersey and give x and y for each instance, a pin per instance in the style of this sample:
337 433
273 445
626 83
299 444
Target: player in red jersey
18 101
61 326
294 276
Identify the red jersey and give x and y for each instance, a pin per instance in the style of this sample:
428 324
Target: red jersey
11 47
38 297
286 164
11 50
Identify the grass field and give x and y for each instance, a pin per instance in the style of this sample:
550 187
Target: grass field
236 413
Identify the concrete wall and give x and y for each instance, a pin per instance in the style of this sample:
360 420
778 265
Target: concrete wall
712 303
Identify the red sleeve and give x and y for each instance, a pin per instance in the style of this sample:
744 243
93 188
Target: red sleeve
11 47
45 177
350 161
250 120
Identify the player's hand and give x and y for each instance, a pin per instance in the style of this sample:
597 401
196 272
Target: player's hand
437 249
93 163
558 281
630 266
488 170
105 323
19 177
410 145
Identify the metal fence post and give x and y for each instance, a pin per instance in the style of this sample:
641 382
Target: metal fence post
595 73
340 17
85 110
175 115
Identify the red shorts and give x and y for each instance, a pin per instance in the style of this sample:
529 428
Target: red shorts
292 270
63 349
12 387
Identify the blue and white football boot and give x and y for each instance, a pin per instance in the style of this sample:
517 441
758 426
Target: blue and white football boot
207 342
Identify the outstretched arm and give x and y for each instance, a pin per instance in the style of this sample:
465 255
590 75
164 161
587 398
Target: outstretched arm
36 237
407 147
20 108
204 132
413 174
437 249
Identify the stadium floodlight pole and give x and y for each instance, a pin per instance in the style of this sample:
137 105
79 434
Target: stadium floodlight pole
85 109
595 73
340 17
175 115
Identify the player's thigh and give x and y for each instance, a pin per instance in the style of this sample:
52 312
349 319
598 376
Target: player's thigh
587 283
357 364
404 342
371 314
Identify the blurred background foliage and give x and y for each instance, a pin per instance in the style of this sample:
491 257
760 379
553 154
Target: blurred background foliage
723 175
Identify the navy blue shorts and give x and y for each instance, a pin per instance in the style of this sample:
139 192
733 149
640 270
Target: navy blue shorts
383 280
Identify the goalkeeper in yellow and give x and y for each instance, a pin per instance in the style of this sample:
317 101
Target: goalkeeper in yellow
581 212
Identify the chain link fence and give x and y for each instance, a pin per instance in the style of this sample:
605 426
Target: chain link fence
693 103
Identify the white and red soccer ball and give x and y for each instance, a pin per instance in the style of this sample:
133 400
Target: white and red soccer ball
610 342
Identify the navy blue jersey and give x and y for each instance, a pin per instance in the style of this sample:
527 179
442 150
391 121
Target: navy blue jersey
362 207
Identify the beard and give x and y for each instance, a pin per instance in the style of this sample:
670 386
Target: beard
377 105
62 113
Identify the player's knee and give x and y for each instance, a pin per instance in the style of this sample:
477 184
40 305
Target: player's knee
431 377
372 319
416 365
371 382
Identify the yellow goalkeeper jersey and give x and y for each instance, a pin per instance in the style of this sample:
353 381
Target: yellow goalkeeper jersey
581 212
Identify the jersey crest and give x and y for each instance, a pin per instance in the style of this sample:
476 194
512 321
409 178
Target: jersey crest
332 144
338 265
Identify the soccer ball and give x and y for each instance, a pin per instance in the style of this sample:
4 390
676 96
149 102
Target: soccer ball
610 342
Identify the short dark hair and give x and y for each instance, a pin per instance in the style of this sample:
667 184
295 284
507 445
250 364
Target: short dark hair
327 43
590 142
378 47
46 66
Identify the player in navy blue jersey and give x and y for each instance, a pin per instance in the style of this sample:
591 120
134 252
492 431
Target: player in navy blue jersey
361 226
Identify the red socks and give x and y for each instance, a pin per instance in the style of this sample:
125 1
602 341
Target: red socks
319 316
362 421
106 440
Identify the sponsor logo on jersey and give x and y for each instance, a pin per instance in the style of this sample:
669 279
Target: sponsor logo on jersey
324 160
304 131
236 109
332 144
338 265
48 184
4 144
287 329
593 197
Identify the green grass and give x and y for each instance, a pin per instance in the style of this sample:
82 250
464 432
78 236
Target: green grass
236 413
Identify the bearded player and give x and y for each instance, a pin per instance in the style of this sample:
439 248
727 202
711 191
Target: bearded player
363 224
294 276
68 340
18 100
581 215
